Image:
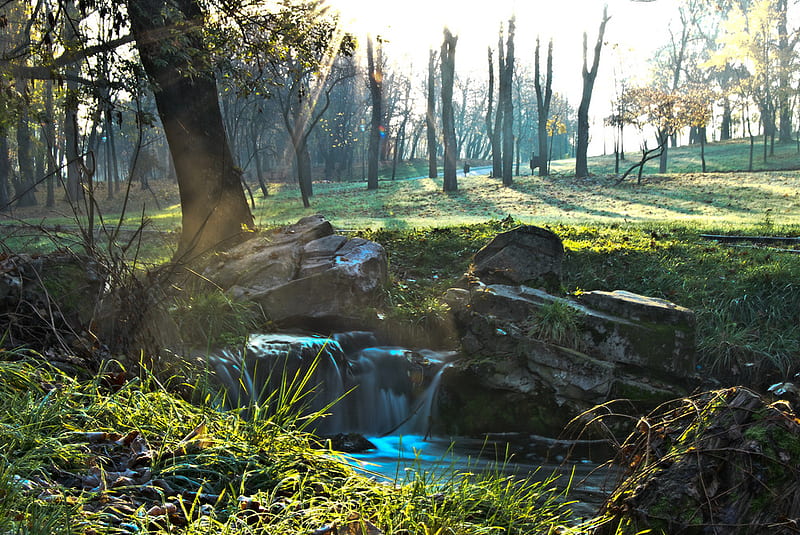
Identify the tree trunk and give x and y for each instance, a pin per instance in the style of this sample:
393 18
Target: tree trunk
497 140
495 148
589 76
662 160
430 116
508 109
5 172
727 116
24 186
375 91
213 204
303 168
448 58
543 97
703 148
49 130
785 71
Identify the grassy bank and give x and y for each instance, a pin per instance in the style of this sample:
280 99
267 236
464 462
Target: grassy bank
746 298
123 457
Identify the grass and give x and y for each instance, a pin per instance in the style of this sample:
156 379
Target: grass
94 457
746 299
716 198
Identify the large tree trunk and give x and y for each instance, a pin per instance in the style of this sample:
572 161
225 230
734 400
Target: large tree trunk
786 56
543 97
376 94
448 59
213 204
589 76
430 116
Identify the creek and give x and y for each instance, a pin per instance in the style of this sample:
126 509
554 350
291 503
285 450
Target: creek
388 396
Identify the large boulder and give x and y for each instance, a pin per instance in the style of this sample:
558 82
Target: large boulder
523 255
534 361
304 274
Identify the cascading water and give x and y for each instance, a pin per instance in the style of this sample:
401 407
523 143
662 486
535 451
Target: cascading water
387 394
361 386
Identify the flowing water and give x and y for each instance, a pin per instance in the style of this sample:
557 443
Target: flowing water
388 395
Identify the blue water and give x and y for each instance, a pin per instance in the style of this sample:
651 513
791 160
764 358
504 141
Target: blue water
402 458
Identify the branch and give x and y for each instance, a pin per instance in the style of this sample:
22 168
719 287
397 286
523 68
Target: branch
48 72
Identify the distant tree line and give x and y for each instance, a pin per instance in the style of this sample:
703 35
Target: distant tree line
221 93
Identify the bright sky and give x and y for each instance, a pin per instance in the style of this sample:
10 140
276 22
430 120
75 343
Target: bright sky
634 31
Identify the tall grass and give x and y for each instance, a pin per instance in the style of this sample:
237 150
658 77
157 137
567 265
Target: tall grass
103 457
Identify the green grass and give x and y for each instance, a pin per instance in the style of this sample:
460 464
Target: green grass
746 299
94 457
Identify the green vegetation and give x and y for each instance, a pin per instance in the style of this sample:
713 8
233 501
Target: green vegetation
104 456
746 299
267 475
557 323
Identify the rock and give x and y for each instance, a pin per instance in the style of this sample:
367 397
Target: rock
49 301
564 357
721 462
350 443
305 275
524 255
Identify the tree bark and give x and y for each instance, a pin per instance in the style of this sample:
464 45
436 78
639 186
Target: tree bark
376 94
497 140
785 58
213 204
589 76
430 116
24 185
448 59
5 172
543 98
495 149
508 109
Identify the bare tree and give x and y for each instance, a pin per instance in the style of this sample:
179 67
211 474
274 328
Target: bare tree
589 76
448 56
543 97
430 116
508 107
374 71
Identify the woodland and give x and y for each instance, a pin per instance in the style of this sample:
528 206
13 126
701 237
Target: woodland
140 141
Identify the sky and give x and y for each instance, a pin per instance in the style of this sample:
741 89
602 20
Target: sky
634 32
412 26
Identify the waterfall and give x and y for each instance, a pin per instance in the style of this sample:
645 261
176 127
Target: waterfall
373 390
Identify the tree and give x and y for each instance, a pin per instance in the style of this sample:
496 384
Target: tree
589 75
497 138
307 59
375 73
430 121
169 38
543 97
448 57
493 144
505 100
667 112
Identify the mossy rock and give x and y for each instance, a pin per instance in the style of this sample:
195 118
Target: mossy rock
726 461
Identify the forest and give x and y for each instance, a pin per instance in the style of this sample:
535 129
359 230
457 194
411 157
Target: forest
243 247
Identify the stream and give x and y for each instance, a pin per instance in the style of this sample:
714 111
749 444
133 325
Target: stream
388 395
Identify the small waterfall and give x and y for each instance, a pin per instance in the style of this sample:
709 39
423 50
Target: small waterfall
380 390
